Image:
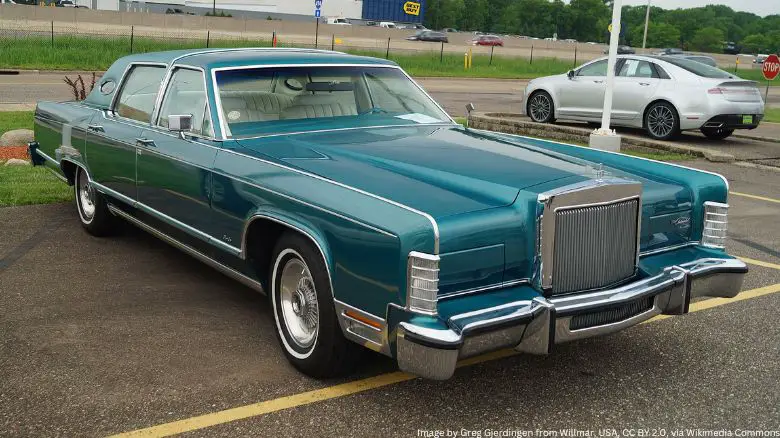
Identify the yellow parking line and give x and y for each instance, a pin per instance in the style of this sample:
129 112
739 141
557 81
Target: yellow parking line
357 386
759 263
762 198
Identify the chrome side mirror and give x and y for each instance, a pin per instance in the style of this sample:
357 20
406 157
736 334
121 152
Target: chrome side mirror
180 123
570 74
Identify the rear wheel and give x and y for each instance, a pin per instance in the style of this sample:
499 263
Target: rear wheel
662 121
302 302
716 133
92 207
541 108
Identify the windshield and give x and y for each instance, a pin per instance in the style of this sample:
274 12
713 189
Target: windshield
698 68
261 101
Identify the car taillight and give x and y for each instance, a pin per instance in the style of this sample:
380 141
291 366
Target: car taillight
716 90
715 224
423 283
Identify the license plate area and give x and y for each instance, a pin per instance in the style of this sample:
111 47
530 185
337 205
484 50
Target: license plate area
747 119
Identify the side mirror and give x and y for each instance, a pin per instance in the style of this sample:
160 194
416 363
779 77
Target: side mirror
180 123
570 74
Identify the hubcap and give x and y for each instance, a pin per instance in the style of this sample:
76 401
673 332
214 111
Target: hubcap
298 298
86 198
540 107
660 121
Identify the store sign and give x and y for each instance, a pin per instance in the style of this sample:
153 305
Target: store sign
412 8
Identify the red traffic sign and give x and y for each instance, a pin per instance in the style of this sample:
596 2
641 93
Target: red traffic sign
771 67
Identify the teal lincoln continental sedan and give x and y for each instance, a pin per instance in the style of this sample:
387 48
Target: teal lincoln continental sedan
337 186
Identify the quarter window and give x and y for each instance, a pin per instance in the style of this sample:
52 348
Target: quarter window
186 94
139 92
633 68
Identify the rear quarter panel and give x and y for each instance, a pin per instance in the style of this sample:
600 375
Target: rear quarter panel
60 130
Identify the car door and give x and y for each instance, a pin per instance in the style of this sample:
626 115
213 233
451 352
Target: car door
112 135
174 168
582 96
635 85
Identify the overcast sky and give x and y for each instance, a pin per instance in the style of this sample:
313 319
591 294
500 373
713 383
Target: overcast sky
760 7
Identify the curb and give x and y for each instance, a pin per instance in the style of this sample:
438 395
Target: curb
757 138
510 124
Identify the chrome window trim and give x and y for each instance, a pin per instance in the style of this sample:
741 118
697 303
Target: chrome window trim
226 134
121 86
318 131
155 123
583 194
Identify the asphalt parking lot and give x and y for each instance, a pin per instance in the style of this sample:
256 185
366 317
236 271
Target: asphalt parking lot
108 336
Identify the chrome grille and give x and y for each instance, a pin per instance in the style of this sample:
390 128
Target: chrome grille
610 316
595 246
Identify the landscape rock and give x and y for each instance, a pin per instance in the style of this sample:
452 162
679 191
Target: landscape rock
16 162
17 137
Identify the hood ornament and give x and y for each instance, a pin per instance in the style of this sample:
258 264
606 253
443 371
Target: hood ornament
599 173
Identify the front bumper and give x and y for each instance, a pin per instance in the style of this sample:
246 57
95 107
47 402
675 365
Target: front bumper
535 325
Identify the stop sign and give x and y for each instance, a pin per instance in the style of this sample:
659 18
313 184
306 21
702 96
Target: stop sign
771 67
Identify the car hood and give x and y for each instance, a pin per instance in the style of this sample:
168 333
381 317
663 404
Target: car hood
441 170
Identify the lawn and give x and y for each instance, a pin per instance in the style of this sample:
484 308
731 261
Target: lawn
15 120
25 185
772 115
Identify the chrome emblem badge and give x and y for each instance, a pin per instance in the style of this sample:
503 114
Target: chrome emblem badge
681 222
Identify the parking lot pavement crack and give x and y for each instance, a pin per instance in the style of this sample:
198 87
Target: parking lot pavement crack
28 244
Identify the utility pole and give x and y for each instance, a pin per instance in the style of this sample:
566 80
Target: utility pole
605 138
647 21
214 8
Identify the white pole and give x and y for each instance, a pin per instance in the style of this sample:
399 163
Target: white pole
647 20
614 38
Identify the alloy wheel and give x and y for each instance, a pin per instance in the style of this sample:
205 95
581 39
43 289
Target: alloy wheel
540 107
660 121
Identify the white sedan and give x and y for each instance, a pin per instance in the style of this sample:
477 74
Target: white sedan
661 94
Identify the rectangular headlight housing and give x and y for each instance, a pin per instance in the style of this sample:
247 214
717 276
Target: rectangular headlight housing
715 224
422 283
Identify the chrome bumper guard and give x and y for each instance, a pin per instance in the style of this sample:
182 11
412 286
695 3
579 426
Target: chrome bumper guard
534 326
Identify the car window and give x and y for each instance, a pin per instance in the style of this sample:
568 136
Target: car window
186 94
633 68
698 68
598 68
139 92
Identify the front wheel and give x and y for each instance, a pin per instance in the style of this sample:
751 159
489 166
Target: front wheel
541 108
302 302
662 121
716 133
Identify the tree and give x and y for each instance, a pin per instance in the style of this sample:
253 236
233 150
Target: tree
708 39
659 35
756 43
475 16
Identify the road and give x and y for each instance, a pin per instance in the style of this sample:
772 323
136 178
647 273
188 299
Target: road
102 336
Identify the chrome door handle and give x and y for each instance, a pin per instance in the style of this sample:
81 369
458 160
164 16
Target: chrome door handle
96 128
599 82
644 84
145 142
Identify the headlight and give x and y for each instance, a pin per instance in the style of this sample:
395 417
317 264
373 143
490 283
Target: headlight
422 282
715 224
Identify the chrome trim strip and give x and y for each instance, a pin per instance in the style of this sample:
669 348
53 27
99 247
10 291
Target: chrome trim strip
382 347
668 248
172 221
501 285
490 309
46 156
230 272
318 131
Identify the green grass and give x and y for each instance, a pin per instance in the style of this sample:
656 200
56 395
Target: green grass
772 115
84 53
25 185
15 120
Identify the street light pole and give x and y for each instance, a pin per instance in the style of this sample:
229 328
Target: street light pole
647 20
214 8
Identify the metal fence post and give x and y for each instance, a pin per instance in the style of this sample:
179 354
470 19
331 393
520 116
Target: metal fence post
575 56
441 53
387 53
316 32
208 38
333 42
491 55
532 54
132 37
52 33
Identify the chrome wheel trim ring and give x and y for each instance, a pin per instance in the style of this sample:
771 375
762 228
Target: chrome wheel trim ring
85 196
660 121
540 107
296 303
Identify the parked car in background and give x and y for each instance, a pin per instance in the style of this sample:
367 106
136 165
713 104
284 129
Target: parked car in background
622 50
65 4
760 58
570 40
339 21
487 40
670 51
731 48
662 94
387 24
415 26
449 29
334 184
429 35
708 60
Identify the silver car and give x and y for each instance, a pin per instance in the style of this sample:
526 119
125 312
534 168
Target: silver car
661 94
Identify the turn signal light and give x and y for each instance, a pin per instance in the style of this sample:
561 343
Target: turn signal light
715 224
423 283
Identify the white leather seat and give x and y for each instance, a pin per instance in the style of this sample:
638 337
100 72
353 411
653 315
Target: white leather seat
253 106
314 106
